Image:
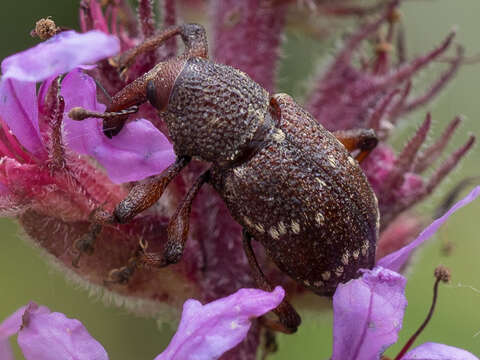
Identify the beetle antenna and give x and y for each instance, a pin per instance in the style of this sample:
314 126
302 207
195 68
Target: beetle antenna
79 113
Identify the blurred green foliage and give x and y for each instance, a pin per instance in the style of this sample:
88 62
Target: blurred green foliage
25 276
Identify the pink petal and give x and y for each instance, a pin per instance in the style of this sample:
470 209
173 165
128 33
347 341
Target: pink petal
397 259
139 151
10 326
207 331
18 108
368 314
434 351
79 89
6 352
51 335
60 54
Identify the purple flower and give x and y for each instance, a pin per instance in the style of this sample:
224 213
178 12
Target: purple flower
207 331
434 351
396 260
58 55
51 180
210 330
124 157
368 314
9 327
374 304
51 335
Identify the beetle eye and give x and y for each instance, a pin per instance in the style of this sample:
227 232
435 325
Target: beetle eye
152 94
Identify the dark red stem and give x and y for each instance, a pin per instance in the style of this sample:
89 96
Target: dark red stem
424 324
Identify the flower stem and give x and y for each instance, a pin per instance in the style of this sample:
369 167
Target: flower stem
441 274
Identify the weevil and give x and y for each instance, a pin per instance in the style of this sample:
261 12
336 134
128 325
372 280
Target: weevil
293 186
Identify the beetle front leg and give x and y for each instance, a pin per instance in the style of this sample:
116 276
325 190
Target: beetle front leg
140 198
288 318
363 140
177 230
193 36
155 85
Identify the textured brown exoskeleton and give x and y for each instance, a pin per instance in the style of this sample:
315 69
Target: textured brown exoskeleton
291 184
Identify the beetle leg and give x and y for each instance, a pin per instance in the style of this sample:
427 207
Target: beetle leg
288 318
177 230
127 100
363 140
270 345
140 197
193 36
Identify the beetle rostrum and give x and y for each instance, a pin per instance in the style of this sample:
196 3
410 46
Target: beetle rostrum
291 184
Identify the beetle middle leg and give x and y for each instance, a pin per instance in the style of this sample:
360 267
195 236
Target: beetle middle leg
177 230
288 318
363 140
140 198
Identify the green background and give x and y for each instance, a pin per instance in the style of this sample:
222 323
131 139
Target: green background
25 276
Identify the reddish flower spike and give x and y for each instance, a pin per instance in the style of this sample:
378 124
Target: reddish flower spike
249 24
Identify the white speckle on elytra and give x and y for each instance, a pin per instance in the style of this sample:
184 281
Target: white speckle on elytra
365 247
321 182
248 222
319 218
332 161
281 228
295 227
260 228
356 254
274 233
352 161
278 136
239 172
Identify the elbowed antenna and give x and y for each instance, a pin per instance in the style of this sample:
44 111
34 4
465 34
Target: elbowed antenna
79 113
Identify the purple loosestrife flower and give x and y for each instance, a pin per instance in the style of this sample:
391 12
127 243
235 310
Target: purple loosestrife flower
54 172
205 331
368 314
62 53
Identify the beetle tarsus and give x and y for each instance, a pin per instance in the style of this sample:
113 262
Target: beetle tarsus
177 229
